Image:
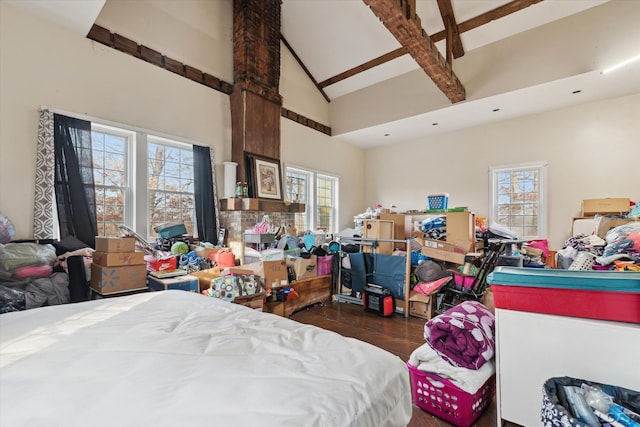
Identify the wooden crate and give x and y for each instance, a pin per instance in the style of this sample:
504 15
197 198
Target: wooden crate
255 301
313 290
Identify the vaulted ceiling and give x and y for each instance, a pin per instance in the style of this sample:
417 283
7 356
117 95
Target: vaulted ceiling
363 54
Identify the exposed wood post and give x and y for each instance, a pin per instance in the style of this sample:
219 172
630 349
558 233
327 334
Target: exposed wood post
255 100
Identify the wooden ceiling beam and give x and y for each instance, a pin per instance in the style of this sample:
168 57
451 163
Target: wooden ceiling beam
470 24
454 43
485 18
304 68
364 67
404 24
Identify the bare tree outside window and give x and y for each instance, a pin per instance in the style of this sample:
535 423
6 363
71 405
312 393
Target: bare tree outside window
109 173
518 199
169 191
170 179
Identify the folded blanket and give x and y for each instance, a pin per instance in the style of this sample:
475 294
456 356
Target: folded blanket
463 335
428 360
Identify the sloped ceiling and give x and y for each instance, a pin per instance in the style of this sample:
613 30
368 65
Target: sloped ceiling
547 55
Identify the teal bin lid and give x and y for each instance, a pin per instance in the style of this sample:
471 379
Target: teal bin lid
620 281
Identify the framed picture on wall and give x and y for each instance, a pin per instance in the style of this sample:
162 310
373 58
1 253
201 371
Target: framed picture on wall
267 179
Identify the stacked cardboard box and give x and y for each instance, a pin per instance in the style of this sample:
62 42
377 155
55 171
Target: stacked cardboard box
117 266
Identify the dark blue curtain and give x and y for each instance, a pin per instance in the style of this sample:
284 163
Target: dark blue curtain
74 187
203 193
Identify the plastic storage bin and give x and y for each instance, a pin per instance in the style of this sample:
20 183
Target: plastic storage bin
324 265
604 295
437 201
556 409
440 397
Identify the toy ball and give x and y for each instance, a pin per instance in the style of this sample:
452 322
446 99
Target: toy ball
179 248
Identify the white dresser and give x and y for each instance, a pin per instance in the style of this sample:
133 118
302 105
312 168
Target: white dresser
532 348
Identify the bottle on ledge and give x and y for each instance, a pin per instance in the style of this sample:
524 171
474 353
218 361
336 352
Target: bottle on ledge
239 189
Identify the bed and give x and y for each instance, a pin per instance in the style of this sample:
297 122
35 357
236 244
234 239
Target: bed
176 358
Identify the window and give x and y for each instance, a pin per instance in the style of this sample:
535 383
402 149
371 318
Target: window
141 181
518 199
297 191
110 149
319 193
325 203
170 177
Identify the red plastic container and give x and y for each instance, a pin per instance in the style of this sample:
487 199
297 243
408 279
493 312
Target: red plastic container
602 295
590 304
442 398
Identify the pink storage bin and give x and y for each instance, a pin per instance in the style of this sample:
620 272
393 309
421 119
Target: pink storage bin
461 279
442 398
324 265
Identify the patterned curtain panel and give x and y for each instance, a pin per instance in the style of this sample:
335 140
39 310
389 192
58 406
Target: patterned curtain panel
205 194
45 166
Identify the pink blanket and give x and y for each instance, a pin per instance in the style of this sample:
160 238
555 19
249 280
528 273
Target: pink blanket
463 335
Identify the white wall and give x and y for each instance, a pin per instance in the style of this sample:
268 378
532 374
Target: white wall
592 151
592 40
331 156
45 65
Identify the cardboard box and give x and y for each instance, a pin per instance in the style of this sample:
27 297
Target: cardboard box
401 229
604 224
109 280
443 251
591 207
205 277
422 306
303 268
461 230
115 244
378 229
273 273
114 259
181 283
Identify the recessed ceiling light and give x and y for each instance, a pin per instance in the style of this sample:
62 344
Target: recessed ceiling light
434 124
495 110
386 134
576 91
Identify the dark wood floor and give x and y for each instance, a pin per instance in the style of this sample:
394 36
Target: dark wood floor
396 334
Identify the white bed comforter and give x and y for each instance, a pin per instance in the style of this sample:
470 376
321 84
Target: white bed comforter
176 358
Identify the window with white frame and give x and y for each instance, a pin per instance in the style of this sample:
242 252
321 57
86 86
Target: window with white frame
518 199
319 193
170 181
141 181
111 153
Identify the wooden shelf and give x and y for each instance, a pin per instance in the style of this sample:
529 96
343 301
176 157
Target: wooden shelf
247 204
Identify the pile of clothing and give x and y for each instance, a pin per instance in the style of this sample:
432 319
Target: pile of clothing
619 250
460 346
